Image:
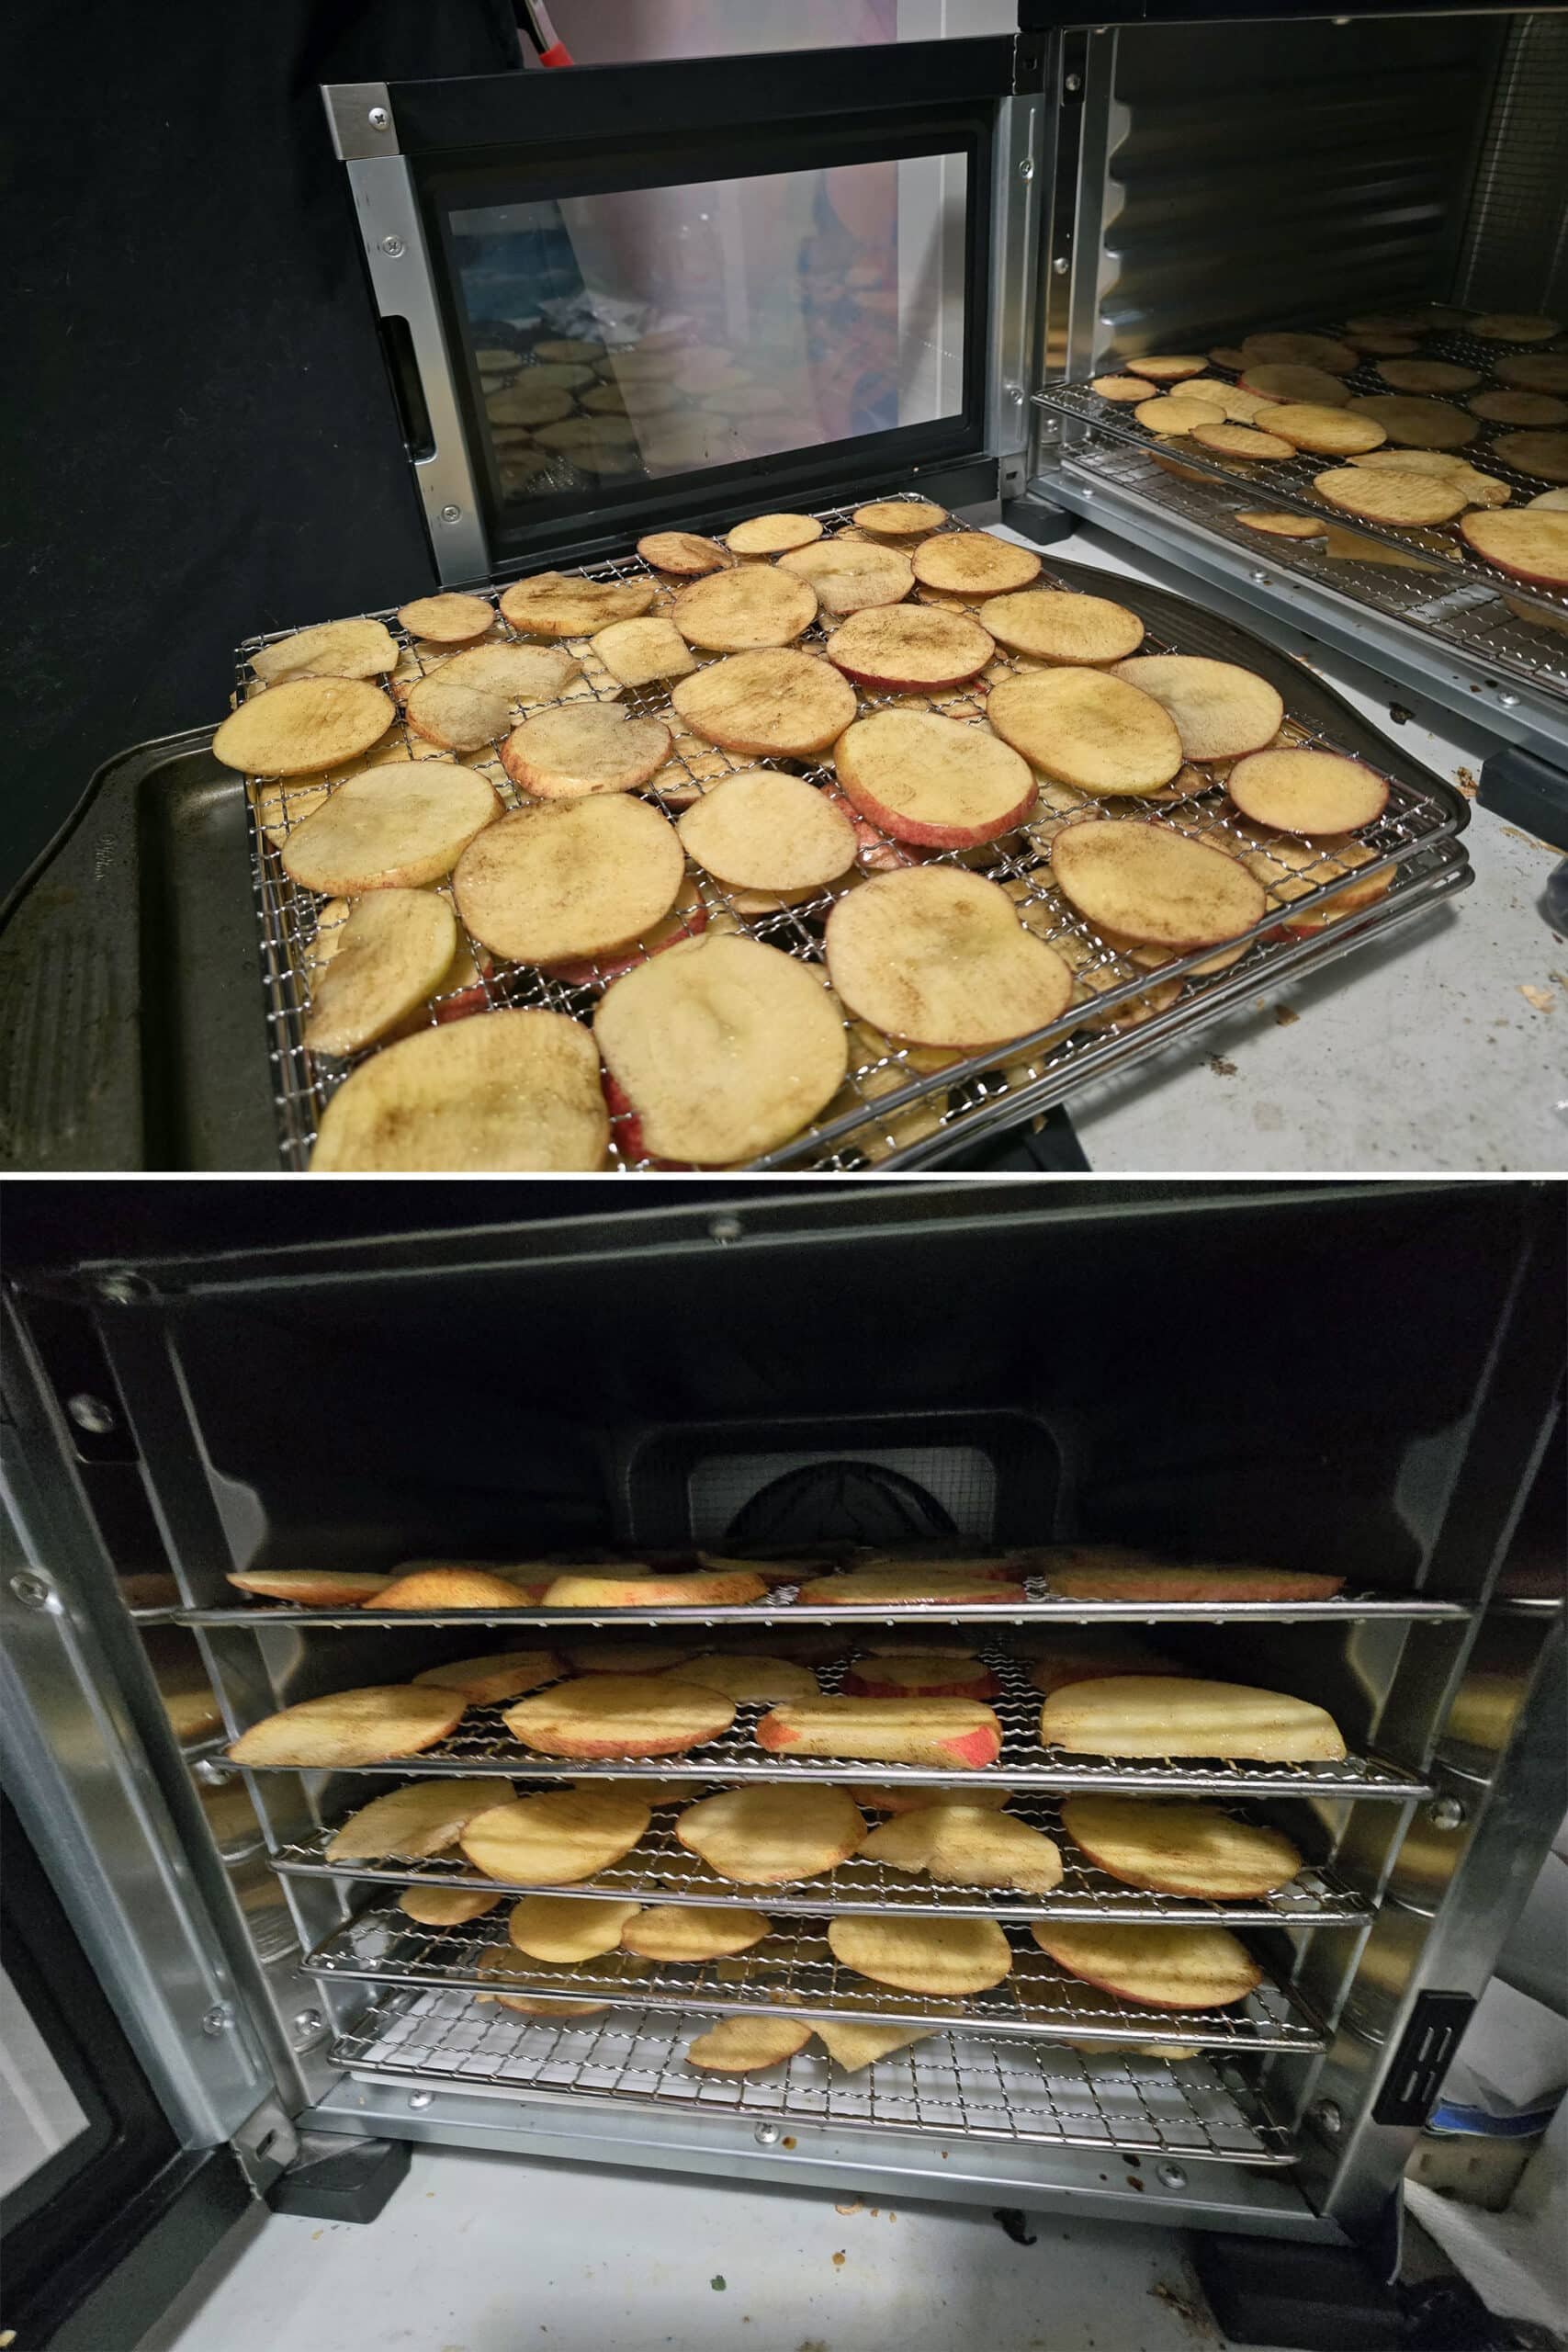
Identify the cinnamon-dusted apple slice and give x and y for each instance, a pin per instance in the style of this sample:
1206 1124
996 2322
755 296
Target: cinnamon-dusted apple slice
1147 1714
371 1725
1520 408
961 1845
1423 423
684 553
448 619
447 1907
577 878
724 1048
876 1587
745 1677
1172 1847
1061 625
1531 543
1426 376
692 1588
899 518
1395 497
959 1733
353 648
1292 350
743 610
639 652
763 830
1287 382
390 955
848 579
1535 371
747 2045
510 1091
691 1931
973 563
569 1928
1146 1579
1154 884
582 748
1515 326
1166 367
1244 441
1088 728
620 1714
903 649
456 1584
423 1819
773 534
303 725
395 827
776 703
560 603
1220 710
938 955
767 1836
921 1674
1296 791
1545 455
522 675
1173 418
934 781
312 1588
1166 1968
556 1840
946 1958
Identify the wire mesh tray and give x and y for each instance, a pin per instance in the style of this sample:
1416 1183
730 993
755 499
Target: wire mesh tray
660 1869
1288 481
794 1970
954 2085
889 1113
482 1744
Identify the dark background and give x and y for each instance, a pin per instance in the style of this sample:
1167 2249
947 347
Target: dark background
200 441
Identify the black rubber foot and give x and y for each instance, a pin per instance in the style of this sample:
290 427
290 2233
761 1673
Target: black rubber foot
1527 792
1014 2226
1037 520
1320 2298
334 2178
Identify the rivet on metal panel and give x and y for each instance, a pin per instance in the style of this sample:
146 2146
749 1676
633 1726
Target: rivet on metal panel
1259 579
421 2099
1171 2175
1446 1813
122 1289
392 246
1326 2115
210 1773
220 2018
379 118
90 1413
1073 82
1060 265
725 1228
1026 169
451 514
307 2025
1508 701
767 2135
1015 392
31 1591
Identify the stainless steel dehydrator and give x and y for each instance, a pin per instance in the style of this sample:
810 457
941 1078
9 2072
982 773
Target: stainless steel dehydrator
1355 1379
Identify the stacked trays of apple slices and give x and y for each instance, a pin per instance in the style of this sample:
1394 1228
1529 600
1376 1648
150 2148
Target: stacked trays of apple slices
985 1843
834 774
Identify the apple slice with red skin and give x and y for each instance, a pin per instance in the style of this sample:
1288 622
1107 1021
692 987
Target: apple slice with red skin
687 918
944 1732
936 782
626 1127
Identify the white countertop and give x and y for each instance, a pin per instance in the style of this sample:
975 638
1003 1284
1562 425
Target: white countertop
1417 1054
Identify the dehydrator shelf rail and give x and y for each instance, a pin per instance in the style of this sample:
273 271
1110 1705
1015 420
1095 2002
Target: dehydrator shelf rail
955 2085
659 1870
1414 840
792 1972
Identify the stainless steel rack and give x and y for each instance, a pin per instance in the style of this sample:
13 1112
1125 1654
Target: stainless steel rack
482 1744
955 2085
794 1970
1114 1017
1288 481
660 1869
1042 1607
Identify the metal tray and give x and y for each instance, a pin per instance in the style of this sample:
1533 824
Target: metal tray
794 1970
955 2085
1416 837
660 1869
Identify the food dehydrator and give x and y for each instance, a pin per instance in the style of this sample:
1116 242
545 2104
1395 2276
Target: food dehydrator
926 252
1364 1380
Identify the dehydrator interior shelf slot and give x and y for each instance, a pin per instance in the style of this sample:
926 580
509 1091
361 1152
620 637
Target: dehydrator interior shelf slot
1042 1606
1414 840
792 1972
956 2085
659 1870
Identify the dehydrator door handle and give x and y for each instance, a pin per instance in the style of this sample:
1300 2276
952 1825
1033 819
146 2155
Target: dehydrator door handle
132 1031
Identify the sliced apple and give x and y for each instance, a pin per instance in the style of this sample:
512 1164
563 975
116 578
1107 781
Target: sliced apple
1296 791
390 955
1152 883
577 878
1220 710
776 702
1088 728
511 1091
394 826
934 781
751 606
762 831
907 647
938 957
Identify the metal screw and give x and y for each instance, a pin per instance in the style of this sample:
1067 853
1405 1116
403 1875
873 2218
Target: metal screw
766 2135
725 1228
1171 2175
31 1591
307 2024
451 514
1326 2115
90 1413
1026 169
1446 1813
1508 701
421 2099
207 1770
393 246
378 118
1014 392
1073 82
220 2018
122 1289
1060 265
